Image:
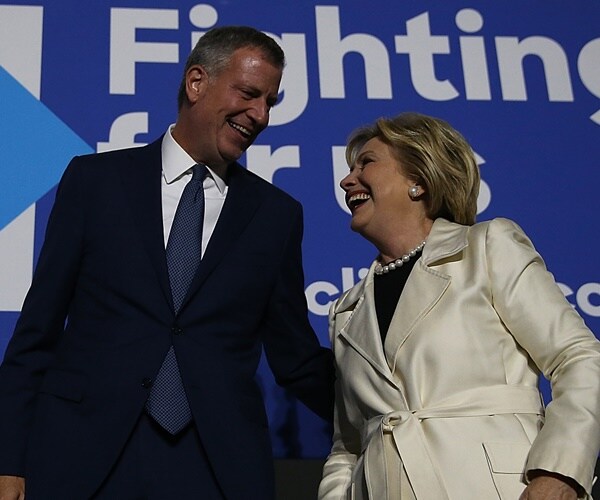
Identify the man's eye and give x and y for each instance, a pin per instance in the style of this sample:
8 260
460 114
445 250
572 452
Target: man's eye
247 94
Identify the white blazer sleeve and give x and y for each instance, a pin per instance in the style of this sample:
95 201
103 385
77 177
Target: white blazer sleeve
542 321
337 472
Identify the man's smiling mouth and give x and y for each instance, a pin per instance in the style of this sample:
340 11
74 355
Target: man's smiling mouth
243 130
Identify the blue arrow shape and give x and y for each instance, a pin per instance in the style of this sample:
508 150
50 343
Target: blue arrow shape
36 147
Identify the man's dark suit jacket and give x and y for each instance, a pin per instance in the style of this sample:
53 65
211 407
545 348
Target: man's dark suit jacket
98 321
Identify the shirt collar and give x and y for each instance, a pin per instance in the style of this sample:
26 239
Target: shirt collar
176 162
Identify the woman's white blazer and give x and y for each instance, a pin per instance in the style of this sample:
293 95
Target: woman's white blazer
453 392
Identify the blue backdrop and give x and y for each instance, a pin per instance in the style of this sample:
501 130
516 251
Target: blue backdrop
520 79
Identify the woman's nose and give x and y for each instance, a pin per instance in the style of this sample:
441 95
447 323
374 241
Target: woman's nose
347 182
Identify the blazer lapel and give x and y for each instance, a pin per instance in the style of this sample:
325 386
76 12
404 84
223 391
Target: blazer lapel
422 291
142 182
425 285
361 329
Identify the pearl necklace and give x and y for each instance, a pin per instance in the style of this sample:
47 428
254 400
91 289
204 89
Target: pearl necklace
395 264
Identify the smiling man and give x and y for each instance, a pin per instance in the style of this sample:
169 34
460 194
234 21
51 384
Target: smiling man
165 272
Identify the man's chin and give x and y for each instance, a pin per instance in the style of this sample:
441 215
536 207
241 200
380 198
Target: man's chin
233 155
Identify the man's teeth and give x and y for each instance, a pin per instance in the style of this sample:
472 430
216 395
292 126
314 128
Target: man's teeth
243 130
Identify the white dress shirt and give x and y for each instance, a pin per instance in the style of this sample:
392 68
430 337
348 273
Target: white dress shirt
176 173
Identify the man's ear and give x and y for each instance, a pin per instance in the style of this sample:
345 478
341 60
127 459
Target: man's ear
196 79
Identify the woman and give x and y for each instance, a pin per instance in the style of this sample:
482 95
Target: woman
439 348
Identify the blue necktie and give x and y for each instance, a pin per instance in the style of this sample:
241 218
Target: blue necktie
167 403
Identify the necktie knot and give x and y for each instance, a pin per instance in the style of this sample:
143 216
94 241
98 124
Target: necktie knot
199 172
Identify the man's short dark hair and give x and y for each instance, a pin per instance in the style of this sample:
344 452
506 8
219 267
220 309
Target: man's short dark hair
215 48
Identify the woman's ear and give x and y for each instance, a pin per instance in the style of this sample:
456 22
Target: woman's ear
415 191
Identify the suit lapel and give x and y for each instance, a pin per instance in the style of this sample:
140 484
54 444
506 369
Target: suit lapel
240 205
142 181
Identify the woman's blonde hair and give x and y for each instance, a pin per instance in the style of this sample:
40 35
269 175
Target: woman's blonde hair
433 153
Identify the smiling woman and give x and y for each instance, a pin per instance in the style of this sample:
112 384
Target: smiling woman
453 323
376 192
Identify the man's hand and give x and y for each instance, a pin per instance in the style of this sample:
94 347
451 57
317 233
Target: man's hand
546 487
12 488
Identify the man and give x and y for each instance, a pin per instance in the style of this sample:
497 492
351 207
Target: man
110 341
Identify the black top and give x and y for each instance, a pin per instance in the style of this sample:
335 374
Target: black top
388 288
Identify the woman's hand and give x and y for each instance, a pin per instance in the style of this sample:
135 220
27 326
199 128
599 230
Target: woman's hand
549 487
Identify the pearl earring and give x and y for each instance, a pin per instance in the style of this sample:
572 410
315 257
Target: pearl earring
413 191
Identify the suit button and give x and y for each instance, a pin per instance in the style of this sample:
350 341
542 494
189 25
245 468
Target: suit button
176 330
146 383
